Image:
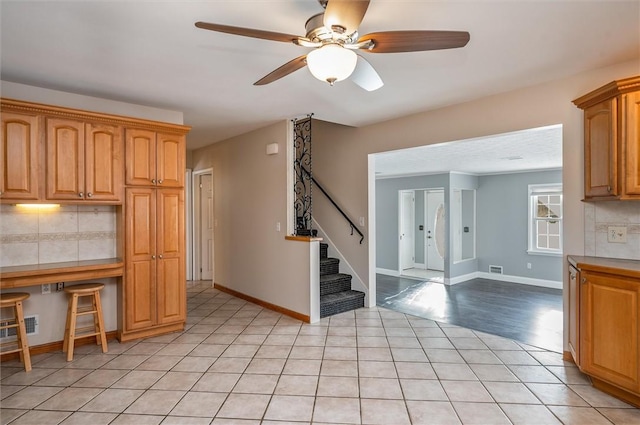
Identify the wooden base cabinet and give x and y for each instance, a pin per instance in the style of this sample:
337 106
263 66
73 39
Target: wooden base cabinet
604 323
609 328
574 313
154 283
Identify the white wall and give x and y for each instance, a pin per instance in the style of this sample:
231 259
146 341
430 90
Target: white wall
80 244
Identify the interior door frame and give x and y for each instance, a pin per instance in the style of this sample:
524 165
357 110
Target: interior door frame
400 225
195 219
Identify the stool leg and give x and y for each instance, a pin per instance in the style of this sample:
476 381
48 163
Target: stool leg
72 327
25 356
65 344
103 336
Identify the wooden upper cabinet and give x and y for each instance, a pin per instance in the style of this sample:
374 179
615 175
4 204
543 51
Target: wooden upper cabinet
612 140
20 157
65 159
155 159
609 326
600 153
84 161
631 142
171 153
140 149
104 165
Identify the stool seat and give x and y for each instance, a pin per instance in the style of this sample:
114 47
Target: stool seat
14 300
7 300
76 292
84 288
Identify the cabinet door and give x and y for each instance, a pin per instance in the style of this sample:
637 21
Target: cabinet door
65 159
103 163
19 157
631 142
140 153
171 160
574 313
600 154
609 328
171 279
140 254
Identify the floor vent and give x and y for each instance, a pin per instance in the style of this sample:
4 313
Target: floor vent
495 269
30 323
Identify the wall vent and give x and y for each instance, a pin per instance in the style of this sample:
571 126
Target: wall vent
30 323
495 269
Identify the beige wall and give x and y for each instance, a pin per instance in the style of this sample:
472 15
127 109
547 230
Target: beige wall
340 154
250 191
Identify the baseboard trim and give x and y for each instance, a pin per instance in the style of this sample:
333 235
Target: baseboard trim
264 304
57 346
521 280
567 356
622 394
388 272
462 278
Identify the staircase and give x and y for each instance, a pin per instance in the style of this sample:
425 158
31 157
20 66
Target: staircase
336 295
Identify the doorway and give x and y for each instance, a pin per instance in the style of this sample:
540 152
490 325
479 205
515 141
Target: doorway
421 233
203 225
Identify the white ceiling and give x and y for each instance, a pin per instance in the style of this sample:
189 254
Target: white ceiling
150 53
527 150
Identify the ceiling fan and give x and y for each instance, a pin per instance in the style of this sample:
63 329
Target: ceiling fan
333 35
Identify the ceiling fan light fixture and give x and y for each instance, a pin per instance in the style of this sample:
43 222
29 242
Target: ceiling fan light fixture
332 63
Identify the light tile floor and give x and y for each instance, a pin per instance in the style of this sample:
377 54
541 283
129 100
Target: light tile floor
237 363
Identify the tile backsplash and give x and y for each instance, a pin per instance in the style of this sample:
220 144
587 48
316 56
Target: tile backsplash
67 233
599 216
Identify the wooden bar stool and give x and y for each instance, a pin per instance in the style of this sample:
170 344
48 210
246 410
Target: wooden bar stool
73 311
14 300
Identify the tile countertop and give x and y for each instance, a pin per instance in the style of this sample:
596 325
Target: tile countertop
630 268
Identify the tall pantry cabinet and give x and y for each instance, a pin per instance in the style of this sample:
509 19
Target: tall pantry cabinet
154 216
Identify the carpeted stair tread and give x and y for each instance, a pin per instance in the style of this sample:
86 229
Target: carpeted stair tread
323 250
333 283
340 302
329 266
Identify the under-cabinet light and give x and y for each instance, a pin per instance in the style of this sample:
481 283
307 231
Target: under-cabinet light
39 206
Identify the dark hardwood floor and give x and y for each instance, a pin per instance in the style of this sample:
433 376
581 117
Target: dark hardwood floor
529 314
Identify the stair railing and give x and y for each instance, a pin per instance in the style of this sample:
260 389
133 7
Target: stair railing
351 223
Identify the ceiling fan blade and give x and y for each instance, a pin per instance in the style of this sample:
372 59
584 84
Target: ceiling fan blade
283 71
415 41
365 76
249 32
345 13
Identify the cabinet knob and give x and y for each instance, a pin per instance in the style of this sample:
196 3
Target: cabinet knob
608 188
584 280
160 256
80 195
153 181
90 194
160 181
153 257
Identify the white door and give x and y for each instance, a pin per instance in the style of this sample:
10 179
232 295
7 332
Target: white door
407 244
206 227
435 243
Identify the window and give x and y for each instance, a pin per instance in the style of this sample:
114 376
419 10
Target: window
545 219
